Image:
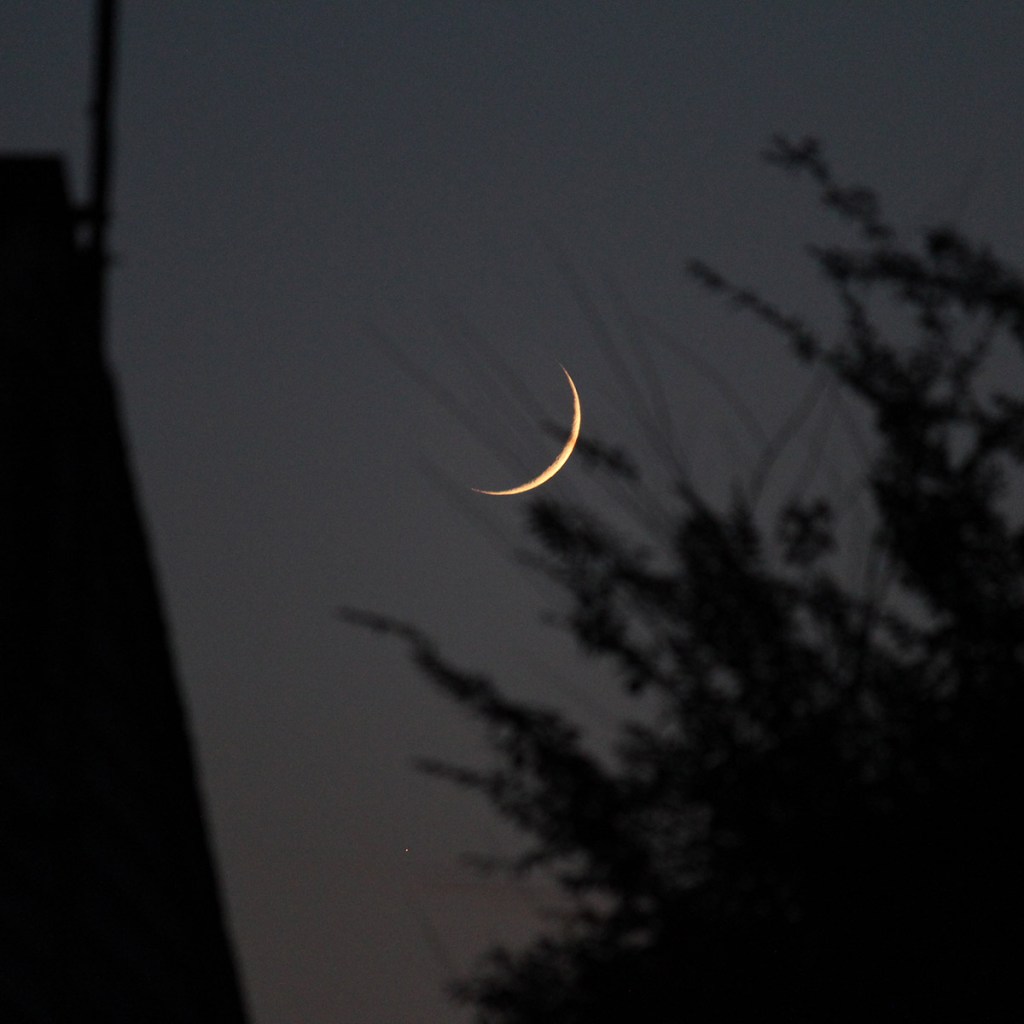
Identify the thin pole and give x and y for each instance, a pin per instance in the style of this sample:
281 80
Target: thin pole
102 144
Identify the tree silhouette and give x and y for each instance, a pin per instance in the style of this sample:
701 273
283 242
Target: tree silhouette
817 820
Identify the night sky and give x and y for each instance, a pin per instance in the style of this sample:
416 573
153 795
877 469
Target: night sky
348 240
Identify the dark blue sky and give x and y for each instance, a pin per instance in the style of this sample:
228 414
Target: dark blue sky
292 178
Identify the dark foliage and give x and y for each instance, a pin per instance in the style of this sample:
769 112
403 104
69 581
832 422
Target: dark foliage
818 820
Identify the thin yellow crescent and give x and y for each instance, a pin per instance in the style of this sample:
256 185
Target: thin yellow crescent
563 455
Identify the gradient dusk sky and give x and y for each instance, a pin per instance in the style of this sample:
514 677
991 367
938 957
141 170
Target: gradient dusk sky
309 200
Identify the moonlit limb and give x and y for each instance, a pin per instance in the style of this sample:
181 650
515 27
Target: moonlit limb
563 455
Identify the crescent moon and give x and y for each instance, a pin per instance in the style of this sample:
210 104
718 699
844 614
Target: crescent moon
563 455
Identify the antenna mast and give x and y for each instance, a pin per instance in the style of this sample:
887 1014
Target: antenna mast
102 144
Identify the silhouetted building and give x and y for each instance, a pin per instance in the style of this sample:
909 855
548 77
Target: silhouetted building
109 908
